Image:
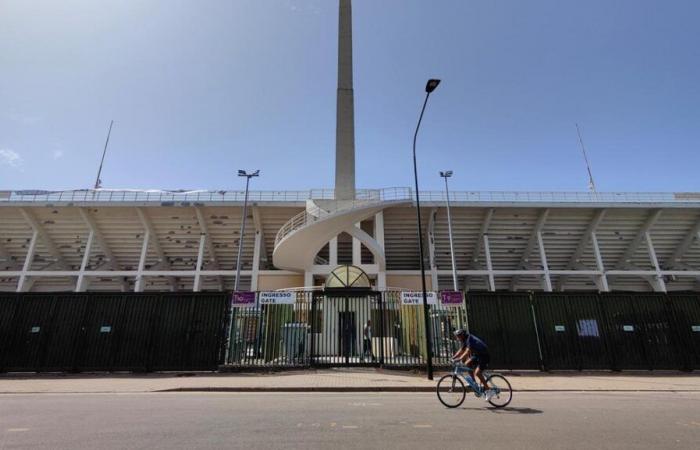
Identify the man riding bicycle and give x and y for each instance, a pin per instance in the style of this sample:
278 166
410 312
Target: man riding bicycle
475 354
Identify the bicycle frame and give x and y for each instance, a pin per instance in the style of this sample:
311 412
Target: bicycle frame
460 369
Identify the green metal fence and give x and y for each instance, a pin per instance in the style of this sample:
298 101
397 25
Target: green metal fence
110 332
185 331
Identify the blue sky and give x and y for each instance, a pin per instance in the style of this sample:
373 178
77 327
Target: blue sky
200 89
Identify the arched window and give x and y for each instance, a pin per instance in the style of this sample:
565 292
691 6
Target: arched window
348 277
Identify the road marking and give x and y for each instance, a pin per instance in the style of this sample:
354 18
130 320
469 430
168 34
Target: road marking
16 430
422 426
350 427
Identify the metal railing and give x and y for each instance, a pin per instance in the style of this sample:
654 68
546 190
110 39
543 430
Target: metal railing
398 193
562 197
315 212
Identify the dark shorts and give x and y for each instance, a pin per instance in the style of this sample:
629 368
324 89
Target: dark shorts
481 361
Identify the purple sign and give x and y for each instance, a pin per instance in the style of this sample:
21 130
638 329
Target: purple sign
243 299
451 298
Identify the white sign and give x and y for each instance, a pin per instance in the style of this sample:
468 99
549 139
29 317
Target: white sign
416 298
627 327
277 298
559 328
36 329
106 329
695 328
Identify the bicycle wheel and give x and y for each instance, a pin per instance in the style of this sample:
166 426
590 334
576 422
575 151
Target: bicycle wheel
451 391
502 392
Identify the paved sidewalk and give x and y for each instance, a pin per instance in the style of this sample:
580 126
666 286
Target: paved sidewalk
358 380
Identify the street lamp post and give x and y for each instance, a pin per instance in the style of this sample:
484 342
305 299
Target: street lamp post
243 173
447 174
429 88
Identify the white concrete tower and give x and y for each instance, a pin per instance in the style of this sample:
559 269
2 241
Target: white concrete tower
345 117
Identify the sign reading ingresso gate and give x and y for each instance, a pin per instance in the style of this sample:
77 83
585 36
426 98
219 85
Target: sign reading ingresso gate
416 298
277 298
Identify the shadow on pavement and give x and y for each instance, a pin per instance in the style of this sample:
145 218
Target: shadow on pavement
508 410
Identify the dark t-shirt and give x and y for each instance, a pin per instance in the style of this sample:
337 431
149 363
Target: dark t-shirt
478 346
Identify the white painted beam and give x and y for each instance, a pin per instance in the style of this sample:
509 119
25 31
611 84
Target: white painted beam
658 282
80 284
626 258
200 260
531 243
489 266
138 286
153 240
575 259
356 248
211 249
480 241
21 283
430 239
44 236
98 237
692 236
543 257
601 279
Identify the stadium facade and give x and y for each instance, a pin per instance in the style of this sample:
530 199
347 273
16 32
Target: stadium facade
132 240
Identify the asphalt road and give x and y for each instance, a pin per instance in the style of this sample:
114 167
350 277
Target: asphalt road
330 420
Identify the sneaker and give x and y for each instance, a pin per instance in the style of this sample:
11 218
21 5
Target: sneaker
488 395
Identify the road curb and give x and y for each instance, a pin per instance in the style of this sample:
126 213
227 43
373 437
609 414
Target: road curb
393 389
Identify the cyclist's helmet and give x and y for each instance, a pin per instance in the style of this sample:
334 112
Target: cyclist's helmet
461 332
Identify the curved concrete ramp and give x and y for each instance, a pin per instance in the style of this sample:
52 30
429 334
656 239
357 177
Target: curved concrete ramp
297 250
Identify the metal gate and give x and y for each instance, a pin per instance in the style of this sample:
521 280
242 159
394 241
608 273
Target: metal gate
347 329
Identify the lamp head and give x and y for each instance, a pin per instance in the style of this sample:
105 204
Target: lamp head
431 85
446 174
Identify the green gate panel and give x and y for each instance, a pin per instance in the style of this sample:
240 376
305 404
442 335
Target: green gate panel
641 331
504 321
99 329
685 309
64 333
573 331
8 307
29 332
134 332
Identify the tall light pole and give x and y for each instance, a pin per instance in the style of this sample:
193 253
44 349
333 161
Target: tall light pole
447 174
243 173
429 88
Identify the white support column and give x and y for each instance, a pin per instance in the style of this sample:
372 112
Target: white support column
257 249
659 284
333 252
543 257
27 262
602 279
138 286
356 249
379 237
200 260
430 239
80 285
489 267
204 229
308 279
99 239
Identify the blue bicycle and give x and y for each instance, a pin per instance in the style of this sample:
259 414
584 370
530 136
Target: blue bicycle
452 391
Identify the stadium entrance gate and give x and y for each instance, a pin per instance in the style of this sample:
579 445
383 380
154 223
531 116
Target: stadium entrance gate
330 329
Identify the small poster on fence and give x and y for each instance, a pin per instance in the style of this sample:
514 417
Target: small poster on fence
451 298
242 299
277 298
416 298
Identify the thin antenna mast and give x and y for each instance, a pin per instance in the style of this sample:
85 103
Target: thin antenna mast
98 182
591 183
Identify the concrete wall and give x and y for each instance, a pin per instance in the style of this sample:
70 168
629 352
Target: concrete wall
274 282
411 282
